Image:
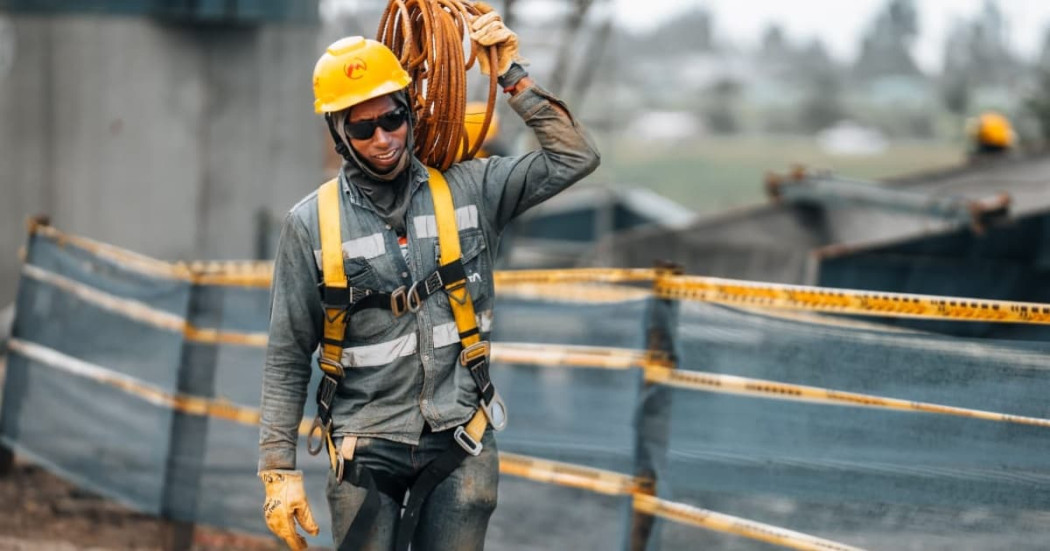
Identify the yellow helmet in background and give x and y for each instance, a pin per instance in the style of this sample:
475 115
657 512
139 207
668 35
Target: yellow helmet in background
472 122
354 70
992 130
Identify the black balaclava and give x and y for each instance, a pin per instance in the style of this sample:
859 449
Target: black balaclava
388 191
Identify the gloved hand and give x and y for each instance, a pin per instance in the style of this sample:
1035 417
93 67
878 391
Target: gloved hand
286 503
488 30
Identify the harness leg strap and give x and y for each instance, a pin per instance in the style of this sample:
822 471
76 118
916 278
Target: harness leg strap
436 471
374 483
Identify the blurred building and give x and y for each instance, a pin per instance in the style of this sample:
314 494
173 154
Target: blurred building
162 126
980 230
556 233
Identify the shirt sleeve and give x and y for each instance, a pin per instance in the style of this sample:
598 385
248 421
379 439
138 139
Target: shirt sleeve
512 185
295 314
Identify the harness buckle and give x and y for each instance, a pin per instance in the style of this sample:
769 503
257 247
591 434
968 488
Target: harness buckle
339 464
326 392
433 282
330 368
399 303
415 302
495 410
456 286
320 429
467 442
480 349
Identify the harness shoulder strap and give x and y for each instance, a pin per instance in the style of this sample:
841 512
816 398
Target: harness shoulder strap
475 353
335 302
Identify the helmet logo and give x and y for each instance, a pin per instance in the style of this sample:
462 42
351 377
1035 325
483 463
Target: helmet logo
355 68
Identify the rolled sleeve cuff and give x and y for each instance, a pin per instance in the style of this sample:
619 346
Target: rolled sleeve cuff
276 457
530 100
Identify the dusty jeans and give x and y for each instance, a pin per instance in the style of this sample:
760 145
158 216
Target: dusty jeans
454 517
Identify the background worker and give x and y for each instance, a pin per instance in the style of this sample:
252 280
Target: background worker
991 136
405 393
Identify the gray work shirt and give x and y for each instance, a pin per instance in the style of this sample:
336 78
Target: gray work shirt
404 372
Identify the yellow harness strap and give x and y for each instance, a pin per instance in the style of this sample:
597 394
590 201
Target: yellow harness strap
459 296
330 360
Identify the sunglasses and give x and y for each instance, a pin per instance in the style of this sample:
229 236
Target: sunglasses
364 129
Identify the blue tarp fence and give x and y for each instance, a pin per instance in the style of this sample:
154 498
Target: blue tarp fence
139 380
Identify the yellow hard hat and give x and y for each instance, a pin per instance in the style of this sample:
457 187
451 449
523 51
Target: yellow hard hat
353 70
472 121
993 129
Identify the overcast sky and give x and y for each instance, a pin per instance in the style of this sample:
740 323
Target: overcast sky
840 23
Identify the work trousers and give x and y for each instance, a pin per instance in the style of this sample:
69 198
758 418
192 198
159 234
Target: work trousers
454 517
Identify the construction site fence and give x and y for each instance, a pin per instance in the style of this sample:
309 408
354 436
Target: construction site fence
648 409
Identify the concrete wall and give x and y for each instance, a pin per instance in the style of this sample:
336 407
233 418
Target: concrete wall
166 139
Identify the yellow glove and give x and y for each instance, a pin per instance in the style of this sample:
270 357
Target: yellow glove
286 503
488 30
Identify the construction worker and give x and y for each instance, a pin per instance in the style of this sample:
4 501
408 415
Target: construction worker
403 392
991 135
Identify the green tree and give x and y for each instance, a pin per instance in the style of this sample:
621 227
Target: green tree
822 105
886 46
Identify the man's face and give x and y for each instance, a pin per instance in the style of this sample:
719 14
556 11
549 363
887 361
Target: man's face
386 144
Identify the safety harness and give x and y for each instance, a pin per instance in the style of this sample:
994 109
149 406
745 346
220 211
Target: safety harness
340 301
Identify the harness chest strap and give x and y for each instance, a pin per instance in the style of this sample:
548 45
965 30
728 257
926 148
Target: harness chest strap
475 353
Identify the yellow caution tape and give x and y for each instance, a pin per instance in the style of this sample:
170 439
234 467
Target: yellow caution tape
613 483
142 312
686 514
659 370
582 275
227 273
552 284
183 403
567 474
868 303
567 355
540 470
587 293
730 384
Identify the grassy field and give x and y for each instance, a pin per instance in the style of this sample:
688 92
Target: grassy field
717 173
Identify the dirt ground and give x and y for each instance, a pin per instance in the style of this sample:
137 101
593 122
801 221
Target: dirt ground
49 513
39 511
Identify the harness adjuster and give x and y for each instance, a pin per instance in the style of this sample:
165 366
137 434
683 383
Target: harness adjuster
495 410
336 297
340 463
467 442
415 301
471 354
320 429
326 392
433 283
330 368
399 302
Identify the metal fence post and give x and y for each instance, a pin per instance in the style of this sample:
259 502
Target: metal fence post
188 437
7 462
653 418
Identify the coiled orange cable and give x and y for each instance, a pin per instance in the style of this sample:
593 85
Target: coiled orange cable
428 38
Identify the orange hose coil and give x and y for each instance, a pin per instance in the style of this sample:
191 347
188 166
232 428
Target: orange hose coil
428 37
